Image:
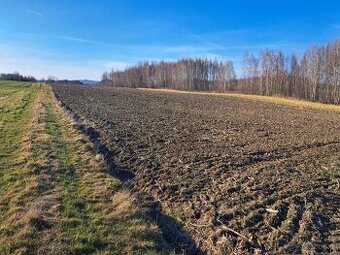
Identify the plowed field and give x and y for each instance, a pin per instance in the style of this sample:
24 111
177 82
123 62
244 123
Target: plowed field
238 175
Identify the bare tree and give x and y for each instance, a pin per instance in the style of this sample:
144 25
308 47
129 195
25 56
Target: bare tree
316 76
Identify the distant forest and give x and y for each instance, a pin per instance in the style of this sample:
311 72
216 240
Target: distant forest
16 77
313 76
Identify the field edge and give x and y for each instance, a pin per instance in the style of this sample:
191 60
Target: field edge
278 100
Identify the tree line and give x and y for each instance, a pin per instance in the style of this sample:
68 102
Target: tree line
17 77
313 76
185 74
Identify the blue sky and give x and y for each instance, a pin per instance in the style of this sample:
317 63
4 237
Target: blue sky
81 39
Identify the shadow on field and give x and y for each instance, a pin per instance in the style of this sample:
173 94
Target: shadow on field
121 174
173 233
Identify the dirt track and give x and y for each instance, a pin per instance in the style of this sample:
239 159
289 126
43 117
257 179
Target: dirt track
240 176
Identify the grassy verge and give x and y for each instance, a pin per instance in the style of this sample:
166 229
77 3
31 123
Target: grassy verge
267 99
56 197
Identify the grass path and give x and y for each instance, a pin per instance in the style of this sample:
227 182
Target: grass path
55 195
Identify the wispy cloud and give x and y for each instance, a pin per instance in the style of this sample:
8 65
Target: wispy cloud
35 13
242 46
182 49
76 39
204 40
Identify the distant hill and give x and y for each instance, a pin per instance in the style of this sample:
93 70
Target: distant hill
88 82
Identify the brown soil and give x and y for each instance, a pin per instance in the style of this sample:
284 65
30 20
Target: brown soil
240 176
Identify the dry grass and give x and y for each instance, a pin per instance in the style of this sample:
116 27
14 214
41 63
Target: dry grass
56 198
266 99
